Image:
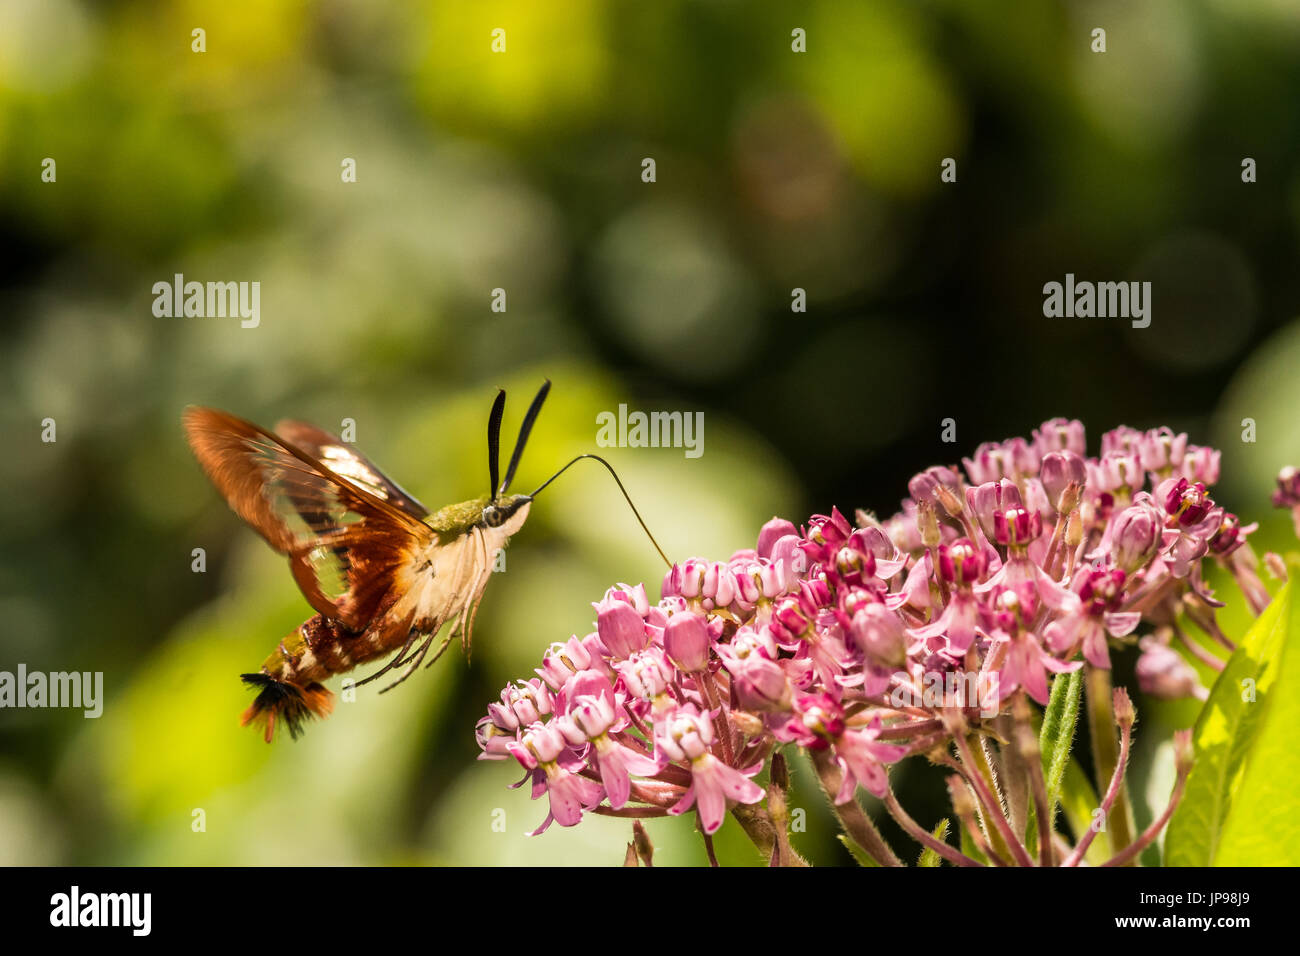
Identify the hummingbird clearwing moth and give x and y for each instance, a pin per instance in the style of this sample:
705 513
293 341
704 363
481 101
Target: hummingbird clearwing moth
383 574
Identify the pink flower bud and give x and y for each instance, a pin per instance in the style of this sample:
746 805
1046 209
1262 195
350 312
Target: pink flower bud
936 485
772 532
987 499
790 555
686 641
621 629
1063 474
688 577
1136 535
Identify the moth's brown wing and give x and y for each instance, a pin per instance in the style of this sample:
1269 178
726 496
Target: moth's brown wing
347 462
350 551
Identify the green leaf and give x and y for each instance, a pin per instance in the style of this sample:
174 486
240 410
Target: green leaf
858 853
931 857
1078 802
1240 805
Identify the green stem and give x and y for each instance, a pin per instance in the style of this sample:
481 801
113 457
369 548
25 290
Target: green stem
857 825
980 774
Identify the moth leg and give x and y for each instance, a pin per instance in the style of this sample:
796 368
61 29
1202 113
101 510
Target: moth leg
419 656
397 660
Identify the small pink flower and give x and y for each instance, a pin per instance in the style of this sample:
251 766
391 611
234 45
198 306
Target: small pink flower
542 751
1161 449
1116 472
593 718
1087 621
1122 439
1287 493
1231 535
986 500
493 739
1027 665
685 735
825 535
958 625
758 681
818 723
1059 434
647 674
562 661
861 758
1201 464
989 464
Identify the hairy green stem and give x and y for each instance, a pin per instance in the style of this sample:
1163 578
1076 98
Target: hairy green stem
857 825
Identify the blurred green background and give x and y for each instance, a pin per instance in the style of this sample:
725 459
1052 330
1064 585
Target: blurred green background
522 170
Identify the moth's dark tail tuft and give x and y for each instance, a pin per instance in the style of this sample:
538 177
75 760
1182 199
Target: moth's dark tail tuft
279 700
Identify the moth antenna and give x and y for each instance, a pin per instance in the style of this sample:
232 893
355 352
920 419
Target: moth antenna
626 497
494 440
522 440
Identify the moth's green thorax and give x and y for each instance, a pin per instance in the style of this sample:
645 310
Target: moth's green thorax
457 519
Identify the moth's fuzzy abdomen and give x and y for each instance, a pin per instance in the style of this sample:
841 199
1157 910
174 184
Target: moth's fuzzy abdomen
283 701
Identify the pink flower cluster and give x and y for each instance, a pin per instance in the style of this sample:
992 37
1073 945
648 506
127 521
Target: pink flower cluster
863 641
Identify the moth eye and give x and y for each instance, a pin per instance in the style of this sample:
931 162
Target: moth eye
493 516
